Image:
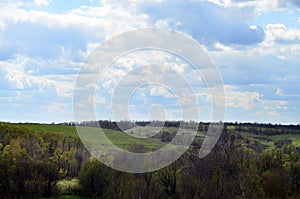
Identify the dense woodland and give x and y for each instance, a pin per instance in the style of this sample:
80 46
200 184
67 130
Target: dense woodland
33 163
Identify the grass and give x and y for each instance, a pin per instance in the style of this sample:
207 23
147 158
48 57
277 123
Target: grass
52 128
148 131
119 138
269 140
124 140
68 187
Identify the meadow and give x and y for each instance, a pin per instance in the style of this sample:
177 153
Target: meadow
139 135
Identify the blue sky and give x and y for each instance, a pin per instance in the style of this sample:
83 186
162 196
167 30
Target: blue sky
255 44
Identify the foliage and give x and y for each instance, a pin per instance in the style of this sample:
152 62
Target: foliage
41 163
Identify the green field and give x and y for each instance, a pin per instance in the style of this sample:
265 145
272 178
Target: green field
269 140
124 140
146 131
51 128
119 138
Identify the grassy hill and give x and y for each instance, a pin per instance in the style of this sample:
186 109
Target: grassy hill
146 131
51 128
124 140
269 140
119 138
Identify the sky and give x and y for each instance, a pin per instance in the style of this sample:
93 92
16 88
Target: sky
254 44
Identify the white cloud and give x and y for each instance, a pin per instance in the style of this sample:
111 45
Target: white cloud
264 63
42 2
207 22
19 78
260 5
272 107
280 93
280 33
47 34
241 99
56 107
42 62
160 91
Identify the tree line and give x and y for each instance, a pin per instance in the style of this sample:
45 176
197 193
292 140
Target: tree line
31 165
256 128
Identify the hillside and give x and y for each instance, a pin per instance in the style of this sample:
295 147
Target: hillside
249 161
265 134
117 137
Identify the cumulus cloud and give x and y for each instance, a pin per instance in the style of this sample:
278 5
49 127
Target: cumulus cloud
285 3
42 2
281 34
255 106
41 51
41 34
241 99
259 5
275 3
48 35
14 76
207 22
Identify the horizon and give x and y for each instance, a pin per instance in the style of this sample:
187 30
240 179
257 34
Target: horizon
224 122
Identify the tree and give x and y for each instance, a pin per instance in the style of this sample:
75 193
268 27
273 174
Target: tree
275 183
167 177
93 178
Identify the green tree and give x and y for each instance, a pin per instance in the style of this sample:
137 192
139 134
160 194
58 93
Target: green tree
275 183
93 178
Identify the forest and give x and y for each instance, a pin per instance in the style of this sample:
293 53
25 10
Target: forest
250 160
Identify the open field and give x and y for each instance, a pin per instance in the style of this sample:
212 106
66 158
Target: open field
269 140
51 128
124 140
147 131
119 138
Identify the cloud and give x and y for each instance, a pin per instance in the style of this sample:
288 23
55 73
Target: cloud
14 76
42 2
252 100
295 2
259 5
280 93
207 22
25 3
281 34
285 3
161 91
42 48
241 99
257 106
50 35
41 53
266 63
41 34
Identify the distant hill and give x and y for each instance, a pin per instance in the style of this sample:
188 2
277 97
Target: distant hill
265 134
